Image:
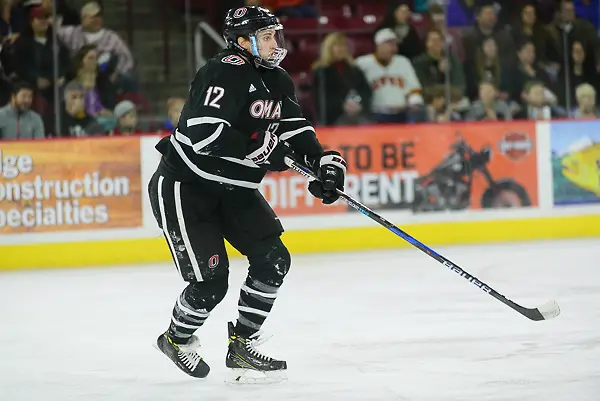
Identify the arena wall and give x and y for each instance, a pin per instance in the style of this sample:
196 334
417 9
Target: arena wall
83 202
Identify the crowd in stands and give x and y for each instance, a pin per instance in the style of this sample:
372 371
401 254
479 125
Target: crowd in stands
94 73
488 72
517 62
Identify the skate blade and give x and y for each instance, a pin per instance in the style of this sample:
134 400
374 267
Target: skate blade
249 376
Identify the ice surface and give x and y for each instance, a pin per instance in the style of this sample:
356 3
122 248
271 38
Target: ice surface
392 325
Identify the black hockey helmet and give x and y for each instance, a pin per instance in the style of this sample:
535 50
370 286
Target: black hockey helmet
252 23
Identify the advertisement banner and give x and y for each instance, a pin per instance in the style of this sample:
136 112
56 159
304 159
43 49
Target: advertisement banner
423 168
575 162
67 185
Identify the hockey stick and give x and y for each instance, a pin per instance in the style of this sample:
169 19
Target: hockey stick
547 311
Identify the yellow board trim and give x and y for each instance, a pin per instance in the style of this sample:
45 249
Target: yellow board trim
150 250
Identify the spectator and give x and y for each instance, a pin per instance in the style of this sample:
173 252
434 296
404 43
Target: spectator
586 102
342 93
17 120
75 122
508 11
568 27
99 90
488 107
537 106
398 19
13 19
394 83
127 120
437 110
485 28
174 107
486 66
33 55
577 75
528 29
431 67
66 15
108 43
437 18
526 70
5 27
5 88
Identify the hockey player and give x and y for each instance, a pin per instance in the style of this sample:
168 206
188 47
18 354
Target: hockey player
240 120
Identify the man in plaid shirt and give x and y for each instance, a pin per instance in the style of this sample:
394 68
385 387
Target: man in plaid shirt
108 42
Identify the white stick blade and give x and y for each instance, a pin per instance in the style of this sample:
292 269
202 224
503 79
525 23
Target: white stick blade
549 310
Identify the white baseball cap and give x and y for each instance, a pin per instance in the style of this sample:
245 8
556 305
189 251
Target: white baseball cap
385 35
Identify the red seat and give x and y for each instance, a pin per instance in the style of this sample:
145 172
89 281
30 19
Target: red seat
141 102
309 45
378 9
299 25
303 26
361 24
302 80
335 10
196 6
361 44
298 61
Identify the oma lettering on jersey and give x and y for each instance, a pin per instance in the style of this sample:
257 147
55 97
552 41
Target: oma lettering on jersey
266 109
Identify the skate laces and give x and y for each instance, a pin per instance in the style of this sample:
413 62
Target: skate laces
254 341
187 353
190 359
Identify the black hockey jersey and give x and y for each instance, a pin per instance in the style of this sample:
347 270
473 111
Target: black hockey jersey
229 100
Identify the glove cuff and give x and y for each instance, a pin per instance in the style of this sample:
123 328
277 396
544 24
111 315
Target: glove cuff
333 159
330 157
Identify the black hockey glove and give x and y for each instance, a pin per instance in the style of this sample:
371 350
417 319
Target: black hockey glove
267 151
330 167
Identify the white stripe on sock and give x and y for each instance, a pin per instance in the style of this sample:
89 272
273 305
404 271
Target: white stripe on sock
253 310
262 294
202 315
185 325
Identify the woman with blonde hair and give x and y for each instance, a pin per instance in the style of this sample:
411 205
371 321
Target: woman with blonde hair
342 93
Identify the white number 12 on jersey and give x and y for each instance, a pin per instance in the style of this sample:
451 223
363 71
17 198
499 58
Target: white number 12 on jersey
217 93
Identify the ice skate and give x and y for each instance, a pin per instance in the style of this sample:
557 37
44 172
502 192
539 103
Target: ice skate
247 364
185 356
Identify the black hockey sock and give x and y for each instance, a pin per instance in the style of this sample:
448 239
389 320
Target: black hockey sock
185 320
254 305
193 307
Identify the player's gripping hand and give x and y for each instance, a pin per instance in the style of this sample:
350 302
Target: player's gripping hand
267 151
330 167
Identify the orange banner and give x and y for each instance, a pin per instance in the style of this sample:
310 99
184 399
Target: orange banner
432 167
73 184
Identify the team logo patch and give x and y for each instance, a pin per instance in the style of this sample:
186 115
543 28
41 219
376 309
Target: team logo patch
515 145
213 261
233 59
240 12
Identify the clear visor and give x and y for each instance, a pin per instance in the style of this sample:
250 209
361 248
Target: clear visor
268 44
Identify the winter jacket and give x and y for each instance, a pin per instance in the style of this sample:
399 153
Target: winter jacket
333 85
